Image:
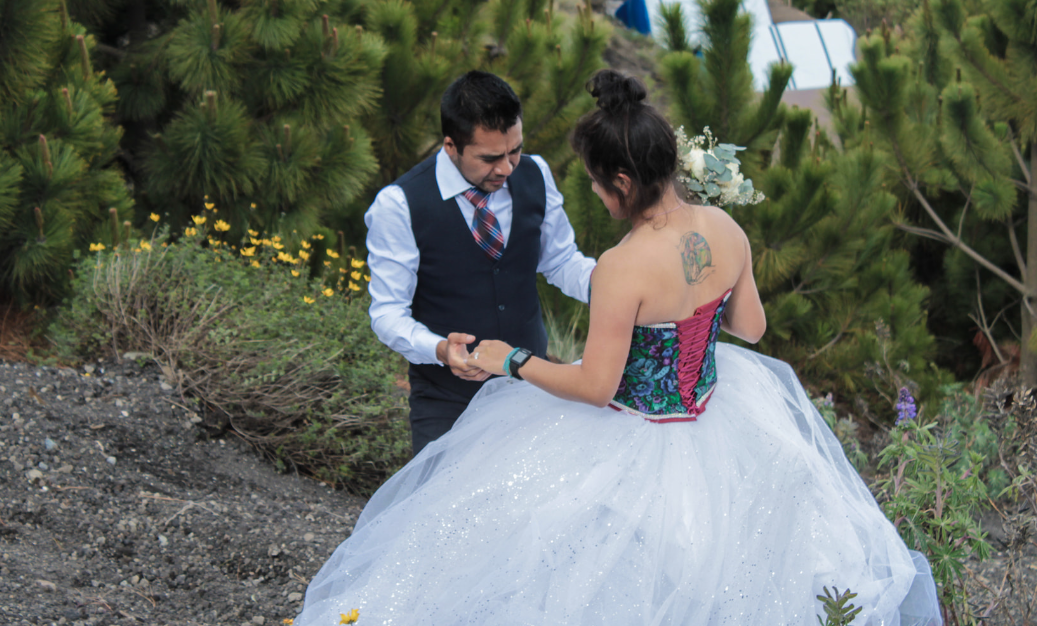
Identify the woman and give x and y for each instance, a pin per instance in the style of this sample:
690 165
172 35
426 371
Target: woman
666 479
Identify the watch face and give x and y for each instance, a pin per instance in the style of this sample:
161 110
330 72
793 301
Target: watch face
521 357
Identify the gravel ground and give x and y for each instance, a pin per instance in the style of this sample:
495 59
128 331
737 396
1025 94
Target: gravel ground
117 508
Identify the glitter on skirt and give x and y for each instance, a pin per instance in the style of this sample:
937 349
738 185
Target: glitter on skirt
537 511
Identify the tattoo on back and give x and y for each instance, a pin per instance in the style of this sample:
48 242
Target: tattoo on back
697 258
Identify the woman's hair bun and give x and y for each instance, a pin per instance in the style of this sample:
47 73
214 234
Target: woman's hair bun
615 92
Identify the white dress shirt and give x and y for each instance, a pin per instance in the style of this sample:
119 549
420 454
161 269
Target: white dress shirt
393 255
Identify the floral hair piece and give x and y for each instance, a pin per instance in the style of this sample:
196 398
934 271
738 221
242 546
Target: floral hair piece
710 169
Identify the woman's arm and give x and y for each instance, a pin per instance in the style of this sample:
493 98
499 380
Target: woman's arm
614 306
744 317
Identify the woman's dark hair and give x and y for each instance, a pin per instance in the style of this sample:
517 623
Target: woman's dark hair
477 99
626 136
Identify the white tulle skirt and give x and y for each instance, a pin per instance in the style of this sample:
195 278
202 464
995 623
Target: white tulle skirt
537 511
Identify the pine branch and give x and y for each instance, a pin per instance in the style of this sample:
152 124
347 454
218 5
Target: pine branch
983 72
1016 250
112 50
1019 156
950 238
968 202
982 321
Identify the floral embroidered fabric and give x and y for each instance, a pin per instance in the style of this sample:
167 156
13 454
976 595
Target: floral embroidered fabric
671 370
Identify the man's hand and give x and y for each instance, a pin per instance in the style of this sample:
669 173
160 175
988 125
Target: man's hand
453 352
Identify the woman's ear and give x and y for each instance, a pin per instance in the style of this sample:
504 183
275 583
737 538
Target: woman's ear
623 183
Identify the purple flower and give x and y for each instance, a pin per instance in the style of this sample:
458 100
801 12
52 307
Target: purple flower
906 410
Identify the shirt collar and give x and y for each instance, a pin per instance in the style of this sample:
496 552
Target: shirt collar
448 177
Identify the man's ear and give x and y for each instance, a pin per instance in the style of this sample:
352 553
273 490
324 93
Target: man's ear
450 147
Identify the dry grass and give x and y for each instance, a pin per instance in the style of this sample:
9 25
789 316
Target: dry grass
17 329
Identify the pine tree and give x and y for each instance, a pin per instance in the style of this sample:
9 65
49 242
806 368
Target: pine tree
951 102
545 57
842 304
263 122
60 188
716 90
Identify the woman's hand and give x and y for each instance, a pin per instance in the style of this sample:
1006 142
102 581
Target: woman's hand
489 356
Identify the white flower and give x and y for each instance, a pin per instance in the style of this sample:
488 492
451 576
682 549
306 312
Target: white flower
695 162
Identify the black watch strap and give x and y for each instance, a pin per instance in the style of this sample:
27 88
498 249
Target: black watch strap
517 361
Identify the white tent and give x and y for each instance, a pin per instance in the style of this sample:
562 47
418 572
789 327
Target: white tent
814 48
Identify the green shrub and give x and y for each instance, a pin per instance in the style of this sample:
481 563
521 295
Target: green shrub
934 496
289 364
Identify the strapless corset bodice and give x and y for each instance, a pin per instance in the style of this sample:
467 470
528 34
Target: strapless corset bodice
671 370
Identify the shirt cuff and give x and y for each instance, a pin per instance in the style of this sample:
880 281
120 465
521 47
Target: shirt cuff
425 344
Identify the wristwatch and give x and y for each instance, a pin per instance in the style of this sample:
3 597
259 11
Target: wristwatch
518 359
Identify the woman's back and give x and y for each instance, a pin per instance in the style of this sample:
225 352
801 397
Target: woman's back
688 257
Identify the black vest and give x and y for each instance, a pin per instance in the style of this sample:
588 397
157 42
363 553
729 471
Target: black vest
460 289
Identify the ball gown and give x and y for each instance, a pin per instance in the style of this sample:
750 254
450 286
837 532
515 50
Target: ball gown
710 491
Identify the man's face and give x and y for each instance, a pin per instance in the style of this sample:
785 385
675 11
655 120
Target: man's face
490 157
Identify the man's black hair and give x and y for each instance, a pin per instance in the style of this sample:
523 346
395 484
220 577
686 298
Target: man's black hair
477 99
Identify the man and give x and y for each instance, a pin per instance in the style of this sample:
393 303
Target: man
454 248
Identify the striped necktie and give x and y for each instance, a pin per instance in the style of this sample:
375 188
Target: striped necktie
485 228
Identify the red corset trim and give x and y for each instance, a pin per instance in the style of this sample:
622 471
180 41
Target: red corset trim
693 336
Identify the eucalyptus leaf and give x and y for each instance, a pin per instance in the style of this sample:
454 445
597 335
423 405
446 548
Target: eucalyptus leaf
745 188
694 185
725 177
712 189
714 164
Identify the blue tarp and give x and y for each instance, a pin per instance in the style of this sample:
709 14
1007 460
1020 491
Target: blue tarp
634 14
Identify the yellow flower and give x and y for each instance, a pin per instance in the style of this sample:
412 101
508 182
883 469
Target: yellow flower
190 232
355 275
328 292
286 621
252 206
248 251
367 278
357 263
284 256
145 246
153 217
265 242
332 254
353 286
295 273
214 242
276 238
304 255
327 263
349 618
221 226
341 270
277 245
96 247
198 219
308 300
305 245
253 233
255 263
255 242
318 236
209 205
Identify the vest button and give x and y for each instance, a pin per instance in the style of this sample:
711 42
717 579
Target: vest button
500 307
496 270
